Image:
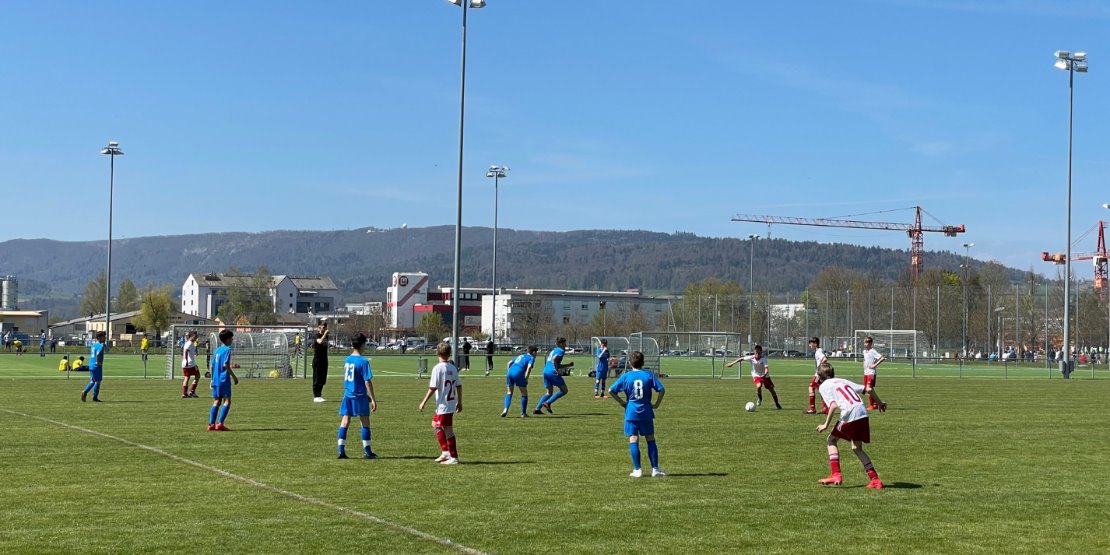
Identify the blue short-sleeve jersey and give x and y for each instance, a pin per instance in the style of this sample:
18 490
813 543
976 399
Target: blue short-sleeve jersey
602 359
221 366
356 372
637 386
96 356
549 367
521 363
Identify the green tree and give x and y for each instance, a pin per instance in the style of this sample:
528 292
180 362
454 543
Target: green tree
431 326
249 296
92 300
155 309
127 297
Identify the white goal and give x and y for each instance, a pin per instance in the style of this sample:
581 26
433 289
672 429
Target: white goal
891 343
257 351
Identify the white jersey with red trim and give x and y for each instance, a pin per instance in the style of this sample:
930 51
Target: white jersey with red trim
871 359
846 394
189 355
445 380
759 367
819 356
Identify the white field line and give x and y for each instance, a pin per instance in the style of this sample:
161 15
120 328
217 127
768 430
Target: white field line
267 487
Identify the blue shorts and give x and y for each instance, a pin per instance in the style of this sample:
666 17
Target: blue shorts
639 427
96 374
553 380
516 378
602 371
354 406
222 390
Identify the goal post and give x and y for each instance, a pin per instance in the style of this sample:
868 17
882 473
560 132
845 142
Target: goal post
892 343
700 354
257 351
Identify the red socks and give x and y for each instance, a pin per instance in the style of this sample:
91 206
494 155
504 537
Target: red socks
834 464
812 400
451 448
442 439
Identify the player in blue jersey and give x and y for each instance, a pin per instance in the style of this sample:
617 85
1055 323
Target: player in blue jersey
96 368
222 378
553 373
601 371
520 369
639 414
358 397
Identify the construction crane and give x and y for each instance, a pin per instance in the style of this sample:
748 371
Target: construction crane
914 231
1098 257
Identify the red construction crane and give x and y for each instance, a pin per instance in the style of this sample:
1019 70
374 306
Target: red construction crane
1098 257
914 230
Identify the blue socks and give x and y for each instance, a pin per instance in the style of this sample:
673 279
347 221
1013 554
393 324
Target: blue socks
96 390
653 454
223 412
365 441
555 397
89 386
542 401
342 436
634 450
212 415
508 400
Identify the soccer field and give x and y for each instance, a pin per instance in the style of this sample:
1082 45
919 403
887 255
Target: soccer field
972 465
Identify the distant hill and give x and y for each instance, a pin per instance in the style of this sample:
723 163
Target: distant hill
54 273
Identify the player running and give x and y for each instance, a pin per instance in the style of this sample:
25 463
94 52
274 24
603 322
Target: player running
819 357
761 375
446 386
358 397
853 423
601 371
639 414
520 369
222 378
871 361
553 376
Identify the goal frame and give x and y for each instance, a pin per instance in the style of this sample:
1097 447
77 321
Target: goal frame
295 361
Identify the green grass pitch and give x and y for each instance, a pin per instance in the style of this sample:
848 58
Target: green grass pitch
973 465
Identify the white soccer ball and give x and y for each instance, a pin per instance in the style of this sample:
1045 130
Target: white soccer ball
750 407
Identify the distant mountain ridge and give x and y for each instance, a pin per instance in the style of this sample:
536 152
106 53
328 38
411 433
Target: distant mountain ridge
362 262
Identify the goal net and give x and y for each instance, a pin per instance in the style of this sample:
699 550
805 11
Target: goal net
891 343
691 353
257 352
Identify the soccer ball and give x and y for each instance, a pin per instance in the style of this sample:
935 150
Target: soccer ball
274 373
750 407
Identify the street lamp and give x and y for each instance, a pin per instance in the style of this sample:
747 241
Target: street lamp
112 150
466 5
998 311
1072 63
751 285
967 266
496 172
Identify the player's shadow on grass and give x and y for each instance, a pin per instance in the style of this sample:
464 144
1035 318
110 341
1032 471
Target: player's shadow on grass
902 485
695 474
469 463
247 430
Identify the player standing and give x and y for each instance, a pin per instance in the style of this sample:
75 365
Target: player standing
819 357
446 386
489 356
189 369
853 424
358 397
320 363
222 378
144 347
760 375
520 369
96 368
601 371
871 361
552 376
639 414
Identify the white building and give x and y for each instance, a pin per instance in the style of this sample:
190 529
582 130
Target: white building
202 294
363 309
408 290
566 306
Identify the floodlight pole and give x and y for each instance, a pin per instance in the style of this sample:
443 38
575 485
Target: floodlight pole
1070 62
751 285
456 293
112 150
496 172
967 267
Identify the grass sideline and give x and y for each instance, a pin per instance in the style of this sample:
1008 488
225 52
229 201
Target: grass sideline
984 465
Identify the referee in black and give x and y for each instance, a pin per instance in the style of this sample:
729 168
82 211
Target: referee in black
320 362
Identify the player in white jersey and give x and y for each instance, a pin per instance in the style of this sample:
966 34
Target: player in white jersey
853 424
760 375
871 361
445 385
818 358
189 366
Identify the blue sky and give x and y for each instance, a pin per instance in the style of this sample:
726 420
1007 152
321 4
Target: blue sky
666 116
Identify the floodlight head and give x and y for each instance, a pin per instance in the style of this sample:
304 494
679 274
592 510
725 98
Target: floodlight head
1079 56
1106 205
753 237
1062 54
112 149
968 245
1062 64
1080 67
1000 309
477 3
